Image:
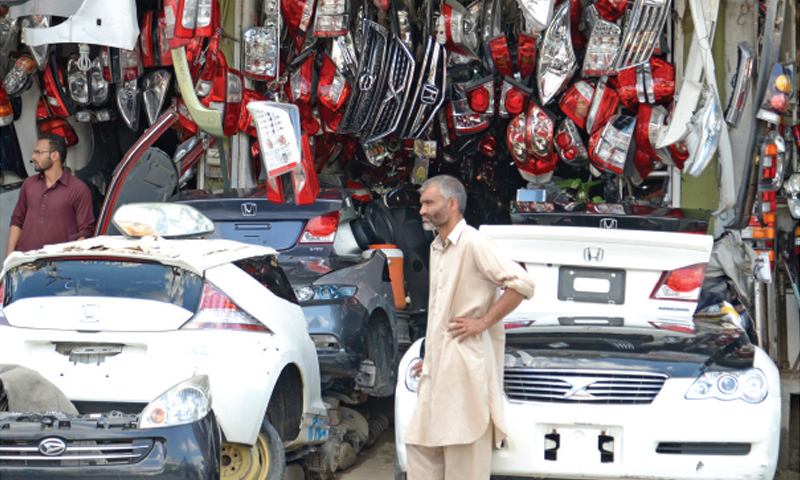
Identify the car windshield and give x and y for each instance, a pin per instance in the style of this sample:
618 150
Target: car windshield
104 277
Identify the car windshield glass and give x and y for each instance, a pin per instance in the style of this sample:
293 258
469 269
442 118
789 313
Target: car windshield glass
104 277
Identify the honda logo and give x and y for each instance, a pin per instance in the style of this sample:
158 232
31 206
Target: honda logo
52 447
593 254
429 94
608 223
249 209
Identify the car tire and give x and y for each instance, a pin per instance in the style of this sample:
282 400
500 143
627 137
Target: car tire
265 460
380 349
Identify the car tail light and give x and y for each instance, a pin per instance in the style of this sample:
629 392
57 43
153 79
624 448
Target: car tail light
297 14
154 93
218 312
604 104
146 39
652 83
18 79
332 18
569 145
609 148
321 229
245 118
530 140
304 177
603 46
42 110
681 284
537 13
185 117
641 166
60 127
54 90
500 56
481 96
457 28
207 17
300 82
464 119
557 61
186 18
39 52
274 188
277 127
611 10
332 93
262 52
6 109
576 101
513 98
234 88
649 121
741 86
642 32
515 136
526 54
772 163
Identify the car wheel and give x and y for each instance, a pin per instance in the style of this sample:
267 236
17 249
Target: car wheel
380 349
265 460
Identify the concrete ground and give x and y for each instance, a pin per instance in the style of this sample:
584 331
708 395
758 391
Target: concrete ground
376 463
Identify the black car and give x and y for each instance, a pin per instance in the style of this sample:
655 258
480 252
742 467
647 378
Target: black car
346 295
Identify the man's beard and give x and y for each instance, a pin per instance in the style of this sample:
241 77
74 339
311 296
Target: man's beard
429 226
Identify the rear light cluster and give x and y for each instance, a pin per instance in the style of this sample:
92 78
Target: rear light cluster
681 284
760 232
218 312
321 229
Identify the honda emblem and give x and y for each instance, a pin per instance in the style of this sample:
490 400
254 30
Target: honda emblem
429 94
593 254
249 209
608 223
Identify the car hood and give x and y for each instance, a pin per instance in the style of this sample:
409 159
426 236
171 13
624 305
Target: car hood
715 342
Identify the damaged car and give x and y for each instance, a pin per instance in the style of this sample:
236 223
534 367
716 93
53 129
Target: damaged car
183 356
611 371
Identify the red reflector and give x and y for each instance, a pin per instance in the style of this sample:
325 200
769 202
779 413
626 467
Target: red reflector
515 101
479 99
500 56
526 54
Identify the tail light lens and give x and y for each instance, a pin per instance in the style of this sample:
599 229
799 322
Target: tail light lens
297 14
332 93
530 138
18 79
576 101
526 54
652 83
146 39
513 98
704 134
60 127
772 163
164 34
274 188
300 82
54 90
277 128
557 61
321 229
207 16
611 10
516 138
537 13
154 93
604 104
218 312
245 118
649 122
304 177
185 117
500 56
465 120
681 284
332 18
6 109
234 88
609 148
603 46
481 96
569 145
186 18
457 28
261 52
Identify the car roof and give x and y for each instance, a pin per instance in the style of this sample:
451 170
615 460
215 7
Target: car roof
195 255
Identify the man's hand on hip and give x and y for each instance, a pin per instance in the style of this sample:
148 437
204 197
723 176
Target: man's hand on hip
461 328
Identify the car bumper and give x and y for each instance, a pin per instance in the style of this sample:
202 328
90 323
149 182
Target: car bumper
185 451
345 321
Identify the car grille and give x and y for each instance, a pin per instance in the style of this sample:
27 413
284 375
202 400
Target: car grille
429 95
370 73
642 32
582 386
394 92
76 454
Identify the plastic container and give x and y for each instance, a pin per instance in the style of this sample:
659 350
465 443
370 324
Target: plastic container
394 257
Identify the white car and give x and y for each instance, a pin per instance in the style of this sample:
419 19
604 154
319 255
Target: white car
610 373
171 330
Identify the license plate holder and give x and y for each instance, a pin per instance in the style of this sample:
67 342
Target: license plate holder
591 285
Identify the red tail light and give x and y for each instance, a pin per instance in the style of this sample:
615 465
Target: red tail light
185 118
208 18
6 113
218 312
54 90
655 84
60 127
481 97
540 162
185 19
576 101
332 93
321 229
500 56
304 177
526 54
274 187
513 325
604 104
682 284
513 98
456 26
297 14
611 10
609 147
575 10
300 82
146 40
245 118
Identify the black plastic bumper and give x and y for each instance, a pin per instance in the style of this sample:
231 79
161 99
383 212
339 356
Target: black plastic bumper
97 449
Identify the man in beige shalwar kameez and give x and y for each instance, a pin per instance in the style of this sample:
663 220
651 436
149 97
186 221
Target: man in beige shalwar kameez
459 412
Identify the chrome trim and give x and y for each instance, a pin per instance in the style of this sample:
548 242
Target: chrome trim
372 66
396 88
741 84
643 28
428 96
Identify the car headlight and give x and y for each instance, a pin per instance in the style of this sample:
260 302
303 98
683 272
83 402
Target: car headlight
324 292
791 189
186 402
412 383
750 385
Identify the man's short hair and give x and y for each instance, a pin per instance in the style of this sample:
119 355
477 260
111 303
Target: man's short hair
57 144
449 187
